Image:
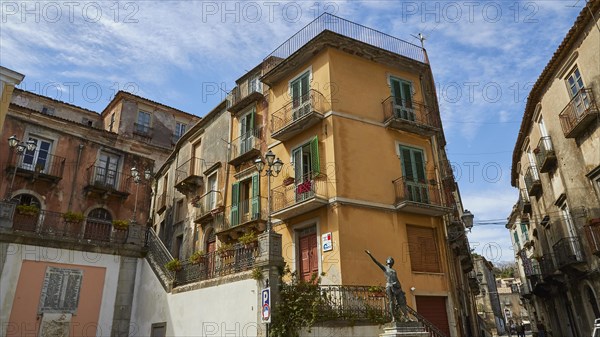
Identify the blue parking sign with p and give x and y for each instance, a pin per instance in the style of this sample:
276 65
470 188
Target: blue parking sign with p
266 305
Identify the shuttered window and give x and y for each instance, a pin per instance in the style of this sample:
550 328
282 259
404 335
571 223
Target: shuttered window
423 250
306 160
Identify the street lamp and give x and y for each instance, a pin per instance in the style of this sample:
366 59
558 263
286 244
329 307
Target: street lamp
273 166
15 143
137 179
467 219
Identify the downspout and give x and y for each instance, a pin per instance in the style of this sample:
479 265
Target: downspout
227 166
75 176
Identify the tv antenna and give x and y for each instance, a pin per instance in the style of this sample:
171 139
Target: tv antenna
421 38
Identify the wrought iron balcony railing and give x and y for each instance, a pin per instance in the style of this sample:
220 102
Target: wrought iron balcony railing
237 259
298 115
36 164
524 201
189 175
304 190
544 154
532 180
244 95
207 205
329 22
57 225
547 266
253 210
568 252
142 130
102 180
419 197
410 116
246 146
580 112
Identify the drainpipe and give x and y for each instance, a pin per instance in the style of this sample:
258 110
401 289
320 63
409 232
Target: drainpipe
75 176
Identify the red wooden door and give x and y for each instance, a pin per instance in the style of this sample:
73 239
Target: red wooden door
433 308
309 263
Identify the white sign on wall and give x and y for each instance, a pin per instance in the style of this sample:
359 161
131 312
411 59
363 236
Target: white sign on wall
327 242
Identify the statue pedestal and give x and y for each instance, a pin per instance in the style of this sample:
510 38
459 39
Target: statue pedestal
404 329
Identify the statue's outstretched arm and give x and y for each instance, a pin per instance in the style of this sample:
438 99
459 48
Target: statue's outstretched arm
376 262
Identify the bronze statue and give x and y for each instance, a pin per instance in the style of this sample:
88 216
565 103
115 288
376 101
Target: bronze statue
394 292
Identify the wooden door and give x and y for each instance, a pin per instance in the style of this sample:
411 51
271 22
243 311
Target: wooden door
309 263
433 308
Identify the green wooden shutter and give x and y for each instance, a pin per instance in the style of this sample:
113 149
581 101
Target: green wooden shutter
407 165
314 156
419 165
407 94
255 196
396 91
252 114
304 87
516 238
235 200
295 94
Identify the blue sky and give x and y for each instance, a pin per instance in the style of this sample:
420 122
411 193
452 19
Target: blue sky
485 56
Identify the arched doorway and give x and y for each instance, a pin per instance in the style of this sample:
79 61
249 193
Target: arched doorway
27 213
591 303
98 225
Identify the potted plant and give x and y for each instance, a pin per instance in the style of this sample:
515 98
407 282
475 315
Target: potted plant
225 250
73 217
30 210
287 180
249 239
120 224
198 257
174 265
536 150
377 291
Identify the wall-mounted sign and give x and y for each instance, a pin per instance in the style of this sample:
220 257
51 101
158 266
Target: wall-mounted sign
327 242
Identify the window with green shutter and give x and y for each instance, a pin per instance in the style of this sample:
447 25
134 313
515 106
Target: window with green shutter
516 235
524 230
300 90
245 200
235 201
402 93
255 196
247 132
307 166
413 172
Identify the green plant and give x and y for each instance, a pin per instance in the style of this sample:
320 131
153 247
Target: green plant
197 257
224 247
73 217
120 224
257 274
28 209
248 238
173 265
376 289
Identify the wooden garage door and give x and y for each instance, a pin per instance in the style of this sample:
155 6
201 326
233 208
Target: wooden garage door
433 308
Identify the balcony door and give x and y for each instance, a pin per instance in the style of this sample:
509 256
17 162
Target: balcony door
106 171
413 171
247 132
245 200
306 167
402 93
211 198
581 99
300 89
39 159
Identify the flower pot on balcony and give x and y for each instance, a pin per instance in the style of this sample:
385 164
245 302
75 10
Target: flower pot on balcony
198 257
536 150
288 181
28 210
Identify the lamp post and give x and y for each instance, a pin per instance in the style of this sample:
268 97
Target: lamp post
467 219
14 142
273 168
137 179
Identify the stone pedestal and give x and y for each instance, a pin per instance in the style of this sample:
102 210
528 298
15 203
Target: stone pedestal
404 329
136 234
7 210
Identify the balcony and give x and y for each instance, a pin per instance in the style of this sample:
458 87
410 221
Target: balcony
161 203
105 182
298 115
473 282
274 67
544 154
305 195
419 197
32 166
242 97
188 176
532 181
249 215
524 201
48 228
579 113
592 234
568 252
208 206
409 116
547 266
525 290
245 147
142 130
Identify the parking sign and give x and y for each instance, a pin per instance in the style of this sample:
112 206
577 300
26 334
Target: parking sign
265 313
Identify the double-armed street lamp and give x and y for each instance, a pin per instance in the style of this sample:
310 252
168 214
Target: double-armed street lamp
15 143
273 168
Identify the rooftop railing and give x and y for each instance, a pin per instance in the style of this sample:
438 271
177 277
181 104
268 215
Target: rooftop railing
330 22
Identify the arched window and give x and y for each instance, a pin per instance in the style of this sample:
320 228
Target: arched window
27 199
98 225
